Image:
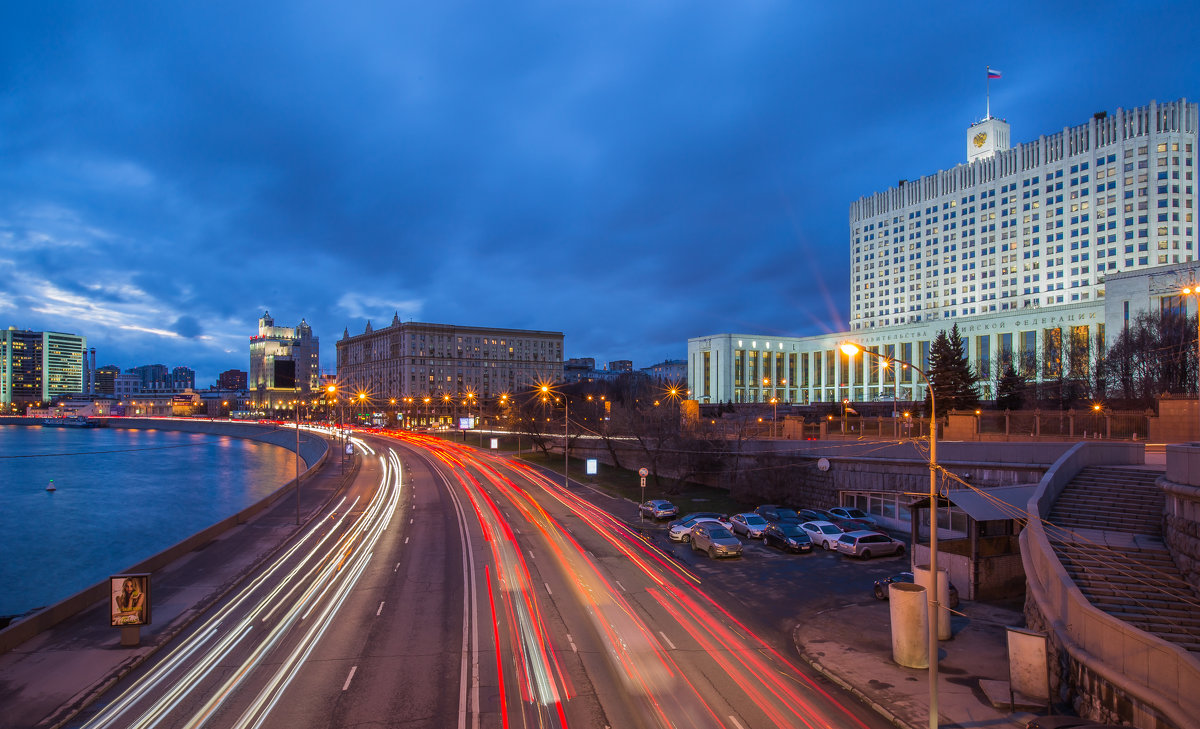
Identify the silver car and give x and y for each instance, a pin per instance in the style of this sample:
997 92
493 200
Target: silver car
748 524
822 532
867 544
716 540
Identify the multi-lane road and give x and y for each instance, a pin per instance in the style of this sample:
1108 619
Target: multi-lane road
449 587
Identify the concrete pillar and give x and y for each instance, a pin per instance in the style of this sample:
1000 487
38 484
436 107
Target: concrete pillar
923 577
910 624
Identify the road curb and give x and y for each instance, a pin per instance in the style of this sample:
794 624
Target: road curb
847 686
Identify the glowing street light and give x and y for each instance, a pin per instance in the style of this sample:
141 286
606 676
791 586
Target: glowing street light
1194 290
851 349
546 392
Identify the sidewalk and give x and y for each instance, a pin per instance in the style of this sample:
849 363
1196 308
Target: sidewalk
853 647
50 678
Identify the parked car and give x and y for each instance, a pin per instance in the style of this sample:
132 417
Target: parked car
716 540
813 515
681 531
822 532
659 509
850 512
748 524
699 515
773 513
881 587
788 536
867 544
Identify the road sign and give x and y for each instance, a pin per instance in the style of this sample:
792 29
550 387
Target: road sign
643 472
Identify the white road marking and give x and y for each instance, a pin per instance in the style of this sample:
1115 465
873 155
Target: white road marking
620 586
349 678
548 590
572 642
410 521
668 640
377 612
406 540
736 723
396 568
531 554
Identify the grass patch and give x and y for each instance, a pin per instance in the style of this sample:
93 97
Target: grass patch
625 483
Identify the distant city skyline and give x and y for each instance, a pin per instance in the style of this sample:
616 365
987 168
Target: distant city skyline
631 175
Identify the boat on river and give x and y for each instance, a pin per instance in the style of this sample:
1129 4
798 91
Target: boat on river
69 421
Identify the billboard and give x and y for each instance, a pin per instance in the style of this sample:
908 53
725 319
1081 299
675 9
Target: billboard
130 599
466 423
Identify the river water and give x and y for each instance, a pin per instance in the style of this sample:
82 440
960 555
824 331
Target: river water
120 496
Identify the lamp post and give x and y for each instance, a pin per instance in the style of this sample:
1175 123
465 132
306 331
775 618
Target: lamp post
297 403
775 417
850 350
566 432
1194 290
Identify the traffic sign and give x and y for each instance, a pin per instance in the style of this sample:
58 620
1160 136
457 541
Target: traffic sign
643 472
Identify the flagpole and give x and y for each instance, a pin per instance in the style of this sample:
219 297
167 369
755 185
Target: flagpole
988 90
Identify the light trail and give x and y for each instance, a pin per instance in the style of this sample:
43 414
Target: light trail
303 588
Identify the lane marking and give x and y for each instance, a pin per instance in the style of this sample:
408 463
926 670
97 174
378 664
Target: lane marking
379 610
668 640
548 590
572 642
349 678
736 723
410 521
620 586
531 554
396 568
406 540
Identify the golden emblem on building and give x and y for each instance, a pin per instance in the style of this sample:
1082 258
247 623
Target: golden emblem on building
980 139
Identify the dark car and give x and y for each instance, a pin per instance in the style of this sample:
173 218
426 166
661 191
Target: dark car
881 587
813 515
773 513
788 536
699 515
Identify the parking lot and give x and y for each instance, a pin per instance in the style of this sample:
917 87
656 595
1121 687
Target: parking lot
781 587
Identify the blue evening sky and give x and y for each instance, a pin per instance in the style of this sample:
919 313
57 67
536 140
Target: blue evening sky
629 173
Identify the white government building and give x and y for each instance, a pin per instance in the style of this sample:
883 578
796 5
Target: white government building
1038 252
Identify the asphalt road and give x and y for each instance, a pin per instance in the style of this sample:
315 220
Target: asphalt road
452 588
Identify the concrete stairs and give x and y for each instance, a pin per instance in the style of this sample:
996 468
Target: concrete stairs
1106 528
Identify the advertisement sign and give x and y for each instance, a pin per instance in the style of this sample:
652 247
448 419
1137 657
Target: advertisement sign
130 599
591 466
466 423
495 443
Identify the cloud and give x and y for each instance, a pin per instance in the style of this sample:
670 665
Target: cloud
360 306
187 327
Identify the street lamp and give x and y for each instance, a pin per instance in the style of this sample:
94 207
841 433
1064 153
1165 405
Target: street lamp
850 350
1194 290
566 432
775 417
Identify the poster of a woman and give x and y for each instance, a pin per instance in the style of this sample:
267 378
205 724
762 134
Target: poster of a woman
130 599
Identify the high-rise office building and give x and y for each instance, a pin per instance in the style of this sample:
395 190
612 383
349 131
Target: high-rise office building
1023 247
38 366
284 363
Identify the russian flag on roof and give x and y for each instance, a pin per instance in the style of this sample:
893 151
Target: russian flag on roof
992 73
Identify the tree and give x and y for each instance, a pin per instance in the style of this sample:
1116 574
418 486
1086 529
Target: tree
1010 389
950 375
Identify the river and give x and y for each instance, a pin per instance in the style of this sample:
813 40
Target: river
121 495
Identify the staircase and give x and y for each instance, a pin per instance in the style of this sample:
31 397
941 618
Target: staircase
1106 528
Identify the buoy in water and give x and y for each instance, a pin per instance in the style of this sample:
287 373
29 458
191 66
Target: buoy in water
51 486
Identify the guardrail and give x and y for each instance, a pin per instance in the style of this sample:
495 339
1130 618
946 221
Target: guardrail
1150 670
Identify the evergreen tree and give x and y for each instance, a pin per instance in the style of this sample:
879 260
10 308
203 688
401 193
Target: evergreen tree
950 374
1010 389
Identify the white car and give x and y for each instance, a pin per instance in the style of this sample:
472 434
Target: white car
682 531
849 512
822 532
748 524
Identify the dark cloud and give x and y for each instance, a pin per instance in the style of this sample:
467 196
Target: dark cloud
631 174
